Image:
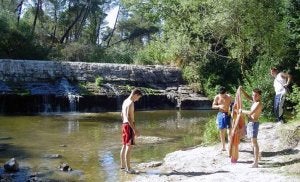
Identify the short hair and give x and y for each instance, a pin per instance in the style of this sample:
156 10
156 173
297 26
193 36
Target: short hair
257 90
136 92
222 90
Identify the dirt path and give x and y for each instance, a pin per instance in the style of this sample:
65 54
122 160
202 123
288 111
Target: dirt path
280 160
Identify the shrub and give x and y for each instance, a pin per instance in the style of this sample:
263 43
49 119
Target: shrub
77 52
211 133
259 77
99 81
294 97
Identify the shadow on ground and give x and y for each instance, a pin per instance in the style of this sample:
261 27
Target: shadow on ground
282 152
187 174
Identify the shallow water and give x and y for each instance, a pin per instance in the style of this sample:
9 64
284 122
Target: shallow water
90 143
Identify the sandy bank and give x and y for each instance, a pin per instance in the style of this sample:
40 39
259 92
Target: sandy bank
280 160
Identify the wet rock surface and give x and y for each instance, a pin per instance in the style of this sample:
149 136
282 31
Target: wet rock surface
11 165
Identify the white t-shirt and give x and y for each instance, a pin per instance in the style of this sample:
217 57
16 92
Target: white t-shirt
279 83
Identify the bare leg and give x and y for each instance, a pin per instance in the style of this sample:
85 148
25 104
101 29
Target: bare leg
122 156
228 134
127 156
222 137
255 152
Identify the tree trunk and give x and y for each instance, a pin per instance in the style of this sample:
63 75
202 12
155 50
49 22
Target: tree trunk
113 30
78 32
38 6
72 25
19 9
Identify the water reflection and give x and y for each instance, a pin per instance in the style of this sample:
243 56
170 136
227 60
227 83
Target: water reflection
73 126
109 165
91 142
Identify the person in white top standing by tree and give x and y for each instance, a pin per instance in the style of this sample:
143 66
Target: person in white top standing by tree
281 82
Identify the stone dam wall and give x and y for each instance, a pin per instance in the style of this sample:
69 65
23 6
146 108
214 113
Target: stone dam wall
47 71
31 86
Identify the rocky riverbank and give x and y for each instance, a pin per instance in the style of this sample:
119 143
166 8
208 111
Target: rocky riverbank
280 160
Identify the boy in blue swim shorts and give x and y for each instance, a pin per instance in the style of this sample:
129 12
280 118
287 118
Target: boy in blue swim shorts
222 102
253 124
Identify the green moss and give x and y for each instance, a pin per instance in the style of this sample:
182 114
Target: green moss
83 89
99 81
22 92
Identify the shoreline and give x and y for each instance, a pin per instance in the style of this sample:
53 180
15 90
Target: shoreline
280 160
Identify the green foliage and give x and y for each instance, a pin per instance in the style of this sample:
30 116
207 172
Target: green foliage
117 54
294 97
260 77
211 133
99 81
77 52
217 72
17 42
83 89
190 73
153 53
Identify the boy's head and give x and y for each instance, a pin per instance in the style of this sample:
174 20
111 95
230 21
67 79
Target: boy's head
256 94
274 71
136 94
222 90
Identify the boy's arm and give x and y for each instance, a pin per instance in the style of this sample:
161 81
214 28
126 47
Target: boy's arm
254 110
131 119
244 93
288 77
215 103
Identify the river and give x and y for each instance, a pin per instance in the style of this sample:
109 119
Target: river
90 142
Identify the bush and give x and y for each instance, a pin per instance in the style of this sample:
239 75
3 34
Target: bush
294 97
116 54
216 71
259 77
211 133
77 52
153 53
17 42
99 81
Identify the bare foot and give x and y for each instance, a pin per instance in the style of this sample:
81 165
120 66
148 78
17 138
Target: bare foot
132 171
253 165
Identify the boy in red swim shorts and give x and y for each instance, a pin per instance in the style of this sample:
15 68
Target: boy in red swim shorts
129 130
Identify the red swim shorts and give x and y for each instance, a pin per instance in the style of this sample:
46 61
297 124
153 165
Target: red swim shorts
127 134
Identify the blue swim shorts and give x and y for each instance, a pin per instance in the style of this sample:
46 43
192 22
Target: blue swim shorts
252 129
223 120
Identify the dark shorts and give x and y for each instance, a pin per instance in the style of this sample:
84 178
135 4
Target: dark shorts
127 134
252 129
223 120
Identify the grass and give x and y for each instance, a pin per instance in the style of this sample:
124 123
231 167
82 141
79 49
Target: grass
211 133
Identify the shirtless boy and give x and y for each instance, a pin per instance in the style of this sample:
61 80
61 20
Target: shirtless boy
222 102
129 130
253 123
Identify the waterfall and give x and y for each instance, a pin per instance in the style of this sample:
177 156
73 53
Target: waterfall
46 104
66 89
116 94
73 100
